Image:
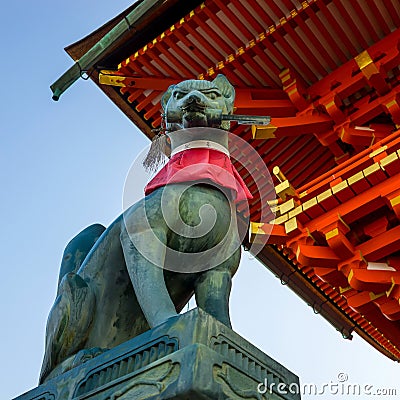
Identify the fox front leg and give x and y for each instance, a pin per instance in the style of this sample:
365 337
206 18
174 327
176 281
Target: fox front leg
143 239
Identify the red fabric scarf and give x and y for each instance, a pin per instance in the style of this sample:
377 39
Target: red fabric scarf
203 165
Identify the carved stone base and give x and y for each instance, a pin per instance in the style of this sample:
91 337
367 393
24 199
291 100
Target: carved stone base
191 357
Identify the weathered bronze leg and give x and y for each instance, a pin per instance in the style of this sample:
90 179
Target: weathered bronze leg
212 289
68 322
148 278
70 317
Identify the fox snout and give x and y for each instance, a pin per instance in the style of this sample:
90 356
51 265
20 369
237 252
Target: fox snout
193 101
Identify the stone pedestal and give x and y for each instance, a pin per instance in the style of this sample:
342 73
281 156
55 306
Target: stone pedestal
191 357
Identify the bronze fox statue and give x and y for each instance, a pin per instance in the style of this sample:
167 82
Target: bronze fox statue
112 284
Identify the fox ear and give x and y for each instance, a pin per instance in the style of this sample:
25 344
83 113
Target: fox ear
166 96
227 90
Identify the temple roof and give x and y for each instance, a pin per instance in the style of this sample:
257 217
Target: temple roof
327 72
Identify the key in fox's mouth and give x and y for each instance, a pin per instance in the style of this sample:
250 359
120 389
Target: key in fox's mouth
194 110
194 107
191 118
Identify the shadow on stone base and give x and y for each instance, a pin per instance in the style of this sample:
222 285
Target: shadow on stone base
191 357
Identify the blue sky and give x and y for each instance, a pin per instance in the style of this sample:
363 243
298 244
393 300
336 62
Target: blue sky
63 167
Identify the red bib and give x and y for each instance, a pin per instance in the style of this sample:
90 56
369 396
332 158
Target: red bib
201 164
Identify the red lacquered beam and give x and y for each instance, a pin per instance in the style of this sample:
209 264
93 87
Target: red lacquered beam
379 17
325 33
337 29
350 22
317 44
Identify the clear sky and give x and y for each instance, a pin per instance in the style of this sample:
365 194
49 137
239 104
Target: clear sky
63 167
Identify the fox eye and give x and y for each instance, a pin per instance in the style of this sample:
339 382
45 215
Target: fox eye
178 94
213 95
